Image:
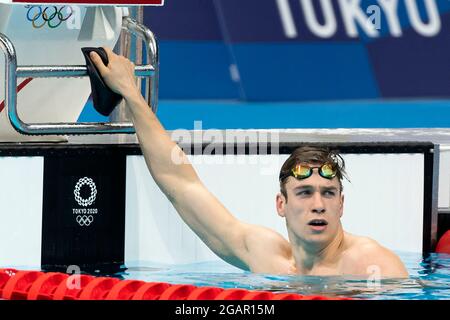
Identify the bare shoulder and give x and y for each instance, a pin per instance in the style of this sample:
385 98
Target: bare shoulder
267 251
262 237
367 257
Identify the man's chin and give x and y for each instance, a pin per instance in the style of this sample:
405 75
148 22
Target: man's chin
321 239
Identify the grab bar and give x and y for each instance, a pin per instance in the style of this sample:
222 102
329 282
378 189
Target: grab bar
12 72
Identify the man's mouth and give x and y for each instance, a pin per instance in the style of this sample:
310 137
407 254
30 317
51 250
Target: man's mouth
318 223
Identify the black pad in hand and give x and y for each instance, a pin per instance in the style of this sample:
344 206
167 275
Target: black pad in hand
105 100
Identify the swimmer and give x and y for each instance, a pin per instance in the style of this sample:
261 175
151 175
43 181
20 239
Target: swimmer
311 201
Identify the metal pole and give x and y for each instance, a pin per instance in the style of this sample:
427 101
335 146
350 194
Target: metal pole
70 71
131 47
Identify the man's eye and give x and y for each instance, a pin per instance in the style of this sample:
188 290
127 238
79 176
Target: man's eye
304 193
329 193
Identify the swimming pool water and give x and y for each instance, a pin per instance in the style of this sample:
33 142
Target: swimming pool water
429 279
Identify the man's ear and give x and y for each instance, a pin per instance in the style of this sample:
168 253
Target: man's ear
281 204
341 209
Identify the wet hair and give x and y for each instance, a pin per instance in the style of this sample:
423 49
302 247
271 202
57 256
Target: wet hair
314 156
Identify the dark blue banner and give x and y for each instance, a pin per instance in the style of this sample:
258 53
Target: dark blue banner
297 50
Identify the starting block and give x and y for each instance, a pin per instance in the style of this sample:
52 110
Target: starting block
42 69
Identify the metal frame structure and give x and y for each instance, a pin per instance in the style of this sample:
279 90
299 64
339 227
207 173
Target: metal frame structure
12 72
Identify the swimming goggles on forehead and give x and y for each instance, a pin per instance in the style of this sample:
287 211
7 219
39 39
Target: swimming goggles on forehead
303 171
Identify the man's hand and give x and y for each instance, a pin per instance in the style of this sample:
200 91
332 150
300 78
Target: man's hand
118 75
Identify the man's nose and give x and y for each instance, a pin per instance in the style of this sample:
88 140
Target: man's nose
318 204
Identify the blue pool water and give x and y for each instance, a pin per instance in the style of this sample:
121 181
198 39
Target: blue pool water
429 279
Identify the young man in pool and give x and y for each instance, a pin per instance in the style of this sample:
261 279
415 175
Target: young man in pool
311 201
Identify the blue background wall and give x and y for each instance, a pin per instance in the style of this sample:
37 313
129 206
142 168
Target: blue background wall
296 82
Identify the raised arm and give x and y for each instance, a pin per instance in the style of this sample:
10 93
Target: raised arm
205 215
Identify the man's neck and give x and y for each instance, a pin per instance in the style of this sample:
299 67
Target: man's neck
309 256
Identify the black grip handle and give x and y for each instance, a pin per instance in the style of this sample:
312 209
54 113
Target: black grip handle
105 100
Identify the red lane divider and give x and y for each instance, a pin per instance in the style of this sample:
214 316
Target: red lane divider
18 286
232 294
443 245
35 285
72 287
98 288
124 290
151 291
288 296
5 275
44 286
258 295
205 293
177 292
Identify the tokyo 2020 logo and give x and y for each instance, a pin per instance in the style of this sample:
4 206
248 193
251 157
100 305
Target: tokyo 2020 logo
85 216
90 183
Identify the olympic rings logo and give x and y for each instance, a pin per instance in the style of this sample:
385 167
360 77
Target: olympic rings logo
85 220
90 183
52 16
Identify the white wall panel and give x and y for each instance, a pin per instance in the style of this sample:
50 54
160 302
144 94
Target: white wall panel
444 178
21 190
384 201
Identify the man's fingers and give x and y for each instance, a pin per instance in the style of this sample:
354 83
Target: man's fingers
98 62
111 55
